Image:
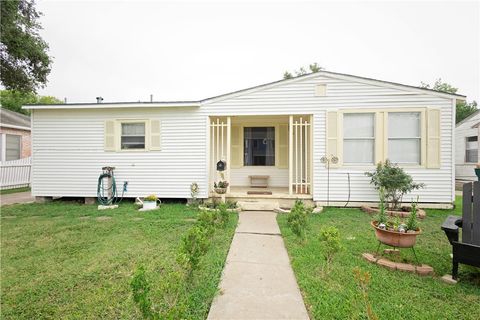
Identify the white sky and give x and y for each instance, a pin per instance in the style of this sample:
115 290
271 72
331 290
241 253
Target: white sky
125 51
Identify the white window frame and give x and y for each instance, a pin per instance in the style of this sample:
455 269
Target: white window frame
467 149
372 138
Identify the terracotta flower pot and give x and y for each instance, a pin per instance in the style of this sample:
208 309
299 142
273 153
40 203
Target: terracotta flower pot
394 238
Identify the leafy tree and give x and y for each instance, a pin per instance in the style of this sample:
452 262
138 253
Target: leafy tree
314 67
24 61
14 100
463 108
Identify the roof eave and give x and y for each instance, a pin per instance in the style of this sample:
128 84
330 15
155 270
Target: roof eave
112 105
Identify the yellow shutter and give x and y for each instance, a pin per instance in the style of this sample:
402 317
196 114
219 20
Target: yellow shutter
332 137
155 135
282 161
109 135
433 138
237 146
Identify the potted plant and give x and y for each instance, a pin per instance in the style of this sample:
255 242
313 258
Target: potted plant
150 202
220 187
393 231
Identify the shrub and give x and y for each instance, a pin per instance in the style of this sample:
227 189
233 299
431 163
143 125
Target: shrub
394 181
330 236
140 290
412 223
194 245
207 219
297 218
223 215
382 217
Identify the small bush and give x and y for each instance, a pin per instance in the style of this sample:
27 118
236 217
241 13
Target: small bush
223 215
330 236
194 245
412 223
382 217
207 219
394 181
140 290
297 218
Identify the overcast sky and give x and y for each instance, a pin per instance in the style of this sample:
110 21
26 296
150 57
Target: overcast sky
127 50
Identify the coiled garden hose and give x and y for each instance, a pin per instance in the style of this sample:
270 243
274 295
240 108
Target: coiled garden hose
107 195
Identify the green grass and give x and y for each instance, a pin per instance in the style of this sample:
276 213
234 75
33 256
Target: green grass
8 191
67 260
334 294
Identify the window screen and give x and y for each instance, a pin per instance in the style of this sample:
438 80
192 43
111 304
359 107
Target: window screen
358 138
471 149
404 137
13 147
133 135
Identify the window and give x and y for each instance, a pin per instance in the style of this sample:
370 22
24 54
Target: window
358 138
13 147
404 137
471 149
259 146
133 135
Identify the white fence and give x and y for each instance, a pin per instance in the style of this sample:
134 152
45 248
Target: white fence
15 173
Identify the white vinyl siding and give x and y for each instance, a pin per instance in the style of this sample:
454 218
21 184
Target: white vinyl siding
358 138
68 145
464 170
296 97
404 137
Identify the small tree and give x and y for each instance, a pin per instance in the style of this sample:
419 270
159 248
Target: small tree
382 217
394 181
194 246
297 218
330 236
412 223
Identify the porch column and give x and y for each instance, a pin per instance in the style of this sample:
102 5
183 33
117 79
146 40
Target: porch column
229 143
290 155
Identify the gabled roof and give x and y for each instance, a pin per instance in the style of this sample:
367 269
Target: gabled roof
476 113
198 103
11 119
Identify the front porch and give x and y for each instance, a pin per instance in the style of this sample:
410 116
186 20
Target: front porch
276 148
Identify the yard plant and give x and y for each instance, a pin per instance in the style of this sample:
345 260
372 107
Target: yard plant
69 260
297 218
387 294
394 181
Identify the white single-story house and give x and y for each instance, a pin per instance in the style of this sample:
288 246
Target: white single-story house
467 153
283 131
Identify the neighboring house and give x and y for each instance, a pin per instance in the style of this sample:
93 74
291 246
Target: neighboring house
15 141
467 153
281 130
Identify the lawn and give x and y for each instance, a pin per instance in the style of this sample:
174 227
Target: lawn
68 260
15 190
333 293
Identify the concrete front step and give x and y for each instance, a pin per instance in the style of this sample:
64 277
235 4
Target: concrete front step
258 205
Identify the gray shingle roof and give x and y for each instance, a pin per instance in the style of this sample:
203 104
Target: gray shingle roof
11 118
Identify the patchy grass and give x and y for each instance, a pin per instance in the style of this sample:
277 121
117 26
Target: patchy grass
332 292
66 260
15 190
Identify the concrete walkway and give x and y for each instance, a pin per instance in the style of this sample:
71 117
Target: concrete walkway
258 281
18 197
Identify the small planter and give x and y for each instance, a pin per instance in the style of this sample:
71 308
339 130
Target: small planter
221 190
394 238
149 205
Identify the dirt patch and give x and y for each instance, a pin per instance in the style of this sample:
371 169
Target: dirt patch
9 217
190 220
138 219
103 218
